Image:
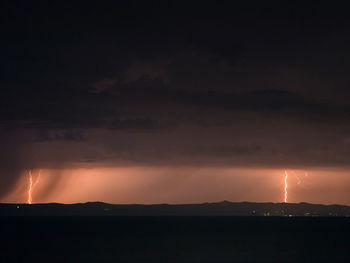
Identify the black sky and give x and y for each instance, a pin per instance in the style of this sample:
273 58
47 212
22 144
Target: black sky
256 83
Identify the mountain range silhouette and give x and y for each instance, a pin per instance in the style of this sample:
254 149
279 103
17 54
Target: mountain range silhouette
224 208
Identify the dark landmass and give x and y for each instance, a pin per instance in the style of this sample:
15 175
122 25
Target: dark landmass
174 239
224 208
198 233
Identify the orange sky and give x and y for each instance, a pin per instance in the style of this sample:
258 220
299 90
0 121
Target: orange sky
184 185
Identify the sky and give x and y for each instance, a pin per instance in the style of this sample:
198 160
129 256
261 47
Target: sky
174 101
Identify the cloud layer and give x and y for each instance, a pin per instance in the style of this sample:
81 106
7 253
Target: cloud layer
173 84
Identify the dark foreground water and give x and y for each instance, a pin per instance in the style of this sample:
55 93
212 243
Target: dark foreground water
174 239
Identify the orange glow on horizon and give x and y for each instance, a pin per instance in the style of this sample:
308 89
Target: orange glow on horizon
149 185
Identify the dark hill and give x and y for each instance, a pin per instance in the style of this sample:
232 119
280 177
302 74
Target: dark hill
224 208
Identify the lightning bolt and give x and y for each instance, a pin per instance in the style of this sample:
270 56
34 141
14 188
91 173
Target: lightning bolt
32 185
285 186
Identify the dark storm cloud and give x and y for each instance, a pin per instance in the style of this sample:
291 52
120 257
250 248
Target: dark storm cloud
175 82
68 135
234 149
68 108
59 66
283 103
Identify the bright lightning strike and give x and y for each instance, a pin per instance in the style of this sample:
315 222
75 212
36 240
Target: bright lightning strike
32 185
285 186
